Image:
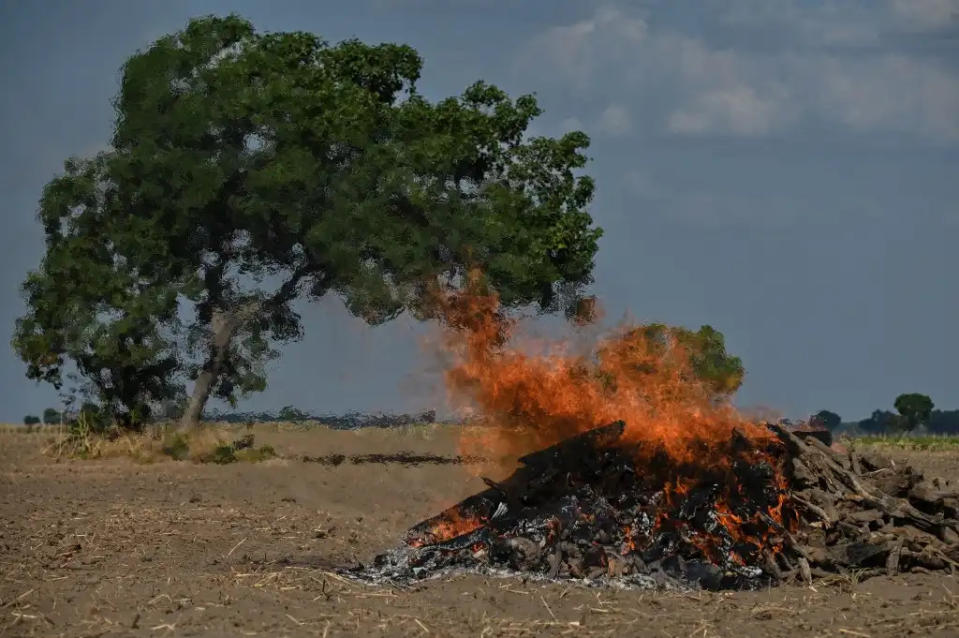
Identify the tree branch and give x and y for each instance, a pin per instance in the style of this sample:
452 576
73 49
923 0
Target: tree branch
287 291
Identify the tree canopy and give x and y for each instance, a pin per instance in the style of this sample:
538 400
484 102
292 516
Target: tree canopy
247 170
826 419
721 372
915 409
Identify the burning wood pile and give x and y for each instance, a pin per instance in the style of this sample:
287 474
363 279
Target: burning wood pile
598 507
683 491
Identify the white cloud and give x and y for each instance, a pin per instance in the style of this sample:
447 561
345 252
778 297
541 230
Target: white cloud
823 65
576 48
615 120
737 110
893 93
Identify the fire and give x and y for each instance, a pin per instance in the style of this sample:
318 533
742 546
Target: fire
451 524
676 422
639 374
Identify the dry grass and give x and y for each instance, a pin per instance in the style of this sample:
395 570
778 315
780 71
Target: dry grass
205 445
931 442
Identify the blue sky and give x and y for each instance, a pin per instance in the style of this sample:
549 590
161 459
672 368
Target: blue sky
785 170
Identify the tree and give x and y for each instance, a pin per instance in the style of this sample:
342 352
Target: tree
826 419
31 419
289 413
706 349
723 371
944 421
51 416
247 170
881 421
915 409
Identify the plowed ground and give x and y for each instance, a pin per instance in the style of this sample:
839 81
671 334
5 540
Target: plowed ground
118 548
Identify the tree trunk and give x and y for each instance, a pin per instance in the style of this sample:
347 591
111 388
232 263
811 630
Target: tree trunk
224 327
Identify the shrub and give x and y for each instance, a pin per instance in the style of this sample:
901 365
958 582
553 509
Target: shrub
224 454
177 447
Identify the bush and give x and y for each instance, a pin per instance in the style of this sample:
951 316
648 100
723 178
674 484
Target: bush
31 419
224 454
177 447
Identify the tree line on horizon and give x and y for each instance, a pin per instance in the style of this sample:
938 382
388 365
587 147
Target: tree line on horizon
914 412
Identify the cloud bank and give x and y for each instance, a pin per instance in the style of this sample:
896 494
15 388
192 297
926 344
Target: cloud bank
760 68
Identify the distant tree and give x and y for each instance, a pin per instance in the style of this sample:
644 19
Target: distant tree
289 413
881 421
826 419
31 419
51 416
944 421
247 170
915 409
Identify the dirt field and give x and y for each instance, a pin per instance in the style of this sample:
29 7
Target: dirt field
95 548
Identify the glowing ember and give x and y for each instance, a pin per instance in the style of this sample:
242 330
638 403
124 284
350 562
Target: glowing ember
447 526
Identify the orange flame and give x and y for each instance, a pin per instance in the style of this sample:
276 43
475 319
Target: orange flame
451 524
641 376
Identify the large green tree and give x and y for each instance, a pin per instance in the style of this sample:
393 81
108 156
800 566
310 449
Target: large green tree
248 169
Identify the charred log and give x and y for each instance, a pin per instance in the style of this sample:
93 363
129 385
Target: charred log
599 508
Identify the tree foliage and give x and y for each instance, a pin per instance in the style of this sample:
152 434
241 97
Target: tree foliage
247 170
722 372
826 419
915 409
51 416
290 413
31 419
881 421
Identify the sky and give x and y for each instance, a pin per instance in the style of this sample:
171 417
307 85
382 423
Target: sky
786 171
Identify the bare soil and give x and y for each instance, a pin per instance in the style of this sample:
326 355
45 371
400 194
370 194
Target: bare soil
118 548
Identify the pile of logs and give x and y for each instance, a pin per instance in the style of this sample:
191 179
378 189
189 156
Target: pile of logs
593 508
864 512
